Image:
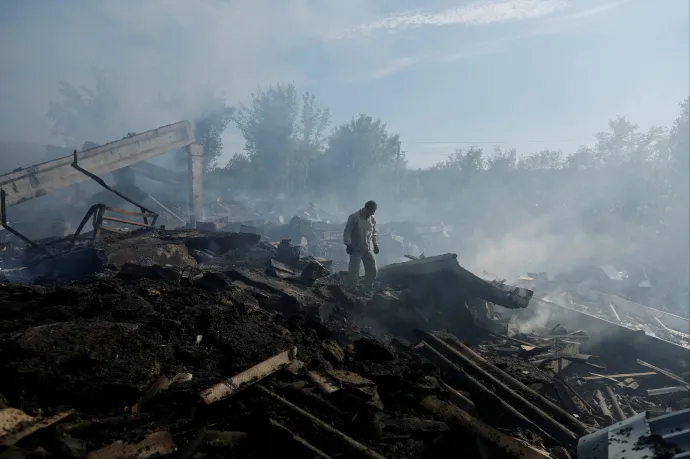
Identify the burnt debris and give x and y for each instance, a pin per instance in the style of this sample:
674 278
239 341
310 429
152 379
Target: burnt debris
190 343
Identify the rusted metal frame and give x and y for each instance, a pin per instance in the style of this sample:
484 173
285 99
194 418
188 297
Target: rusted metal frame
92 212
98 223
133 214
559 413
3 222
97 179
97 212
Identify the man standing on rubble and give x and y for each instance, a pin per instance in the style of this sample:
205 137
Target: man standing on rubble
360 242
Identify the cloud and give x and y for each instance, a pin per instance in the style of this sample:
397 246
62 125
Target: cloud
546 27
589 12
395 66
404 63
475 14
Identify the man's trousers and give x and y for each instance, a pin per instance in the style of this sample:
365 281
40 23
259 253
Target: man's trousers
369 261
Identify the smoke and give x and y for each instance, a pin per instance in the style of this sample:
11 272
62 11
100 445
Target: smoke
538 317
536 246
165 59
154 62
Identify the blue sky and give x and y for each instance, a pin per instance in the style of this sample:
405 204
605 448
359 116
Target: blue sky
530 74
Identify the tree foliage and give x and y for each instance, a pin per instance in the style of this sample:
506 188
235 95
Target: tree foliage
630 181
359 149
284 134
630 185
83 114
209 129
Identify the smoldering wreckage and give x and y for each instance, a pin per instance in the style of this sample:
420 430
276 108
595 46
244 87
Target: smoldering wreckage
223 339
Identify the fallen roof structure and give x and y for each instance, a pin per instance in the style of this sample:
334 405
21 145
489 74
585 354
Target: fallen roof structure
35 181
159 173
494 292
646 331
32 182
632 313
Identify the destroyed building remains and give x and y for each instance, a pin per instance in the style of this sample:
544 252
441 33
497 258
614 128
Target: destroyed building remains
218 340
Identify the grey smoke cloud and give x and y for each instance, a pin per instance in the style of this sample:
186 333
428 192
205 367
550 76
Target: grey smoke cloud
176 50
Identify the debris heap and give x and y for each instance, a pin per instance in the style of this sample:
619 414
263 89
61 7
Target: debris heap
184 344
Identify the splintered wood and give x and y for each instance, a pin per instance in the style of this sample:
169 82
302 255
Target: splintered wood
16 425
159 386
248 377
595 376
156 444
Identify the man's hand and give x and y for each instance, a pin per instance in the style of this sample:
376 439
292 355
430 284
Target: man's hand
376 249
348 249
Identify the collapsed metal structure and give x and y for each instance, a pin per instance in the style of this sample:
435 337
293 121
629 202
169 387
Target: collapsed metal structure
39 180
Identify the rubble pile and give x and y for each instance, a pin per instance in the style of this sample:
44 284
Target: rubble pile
634 316
189 344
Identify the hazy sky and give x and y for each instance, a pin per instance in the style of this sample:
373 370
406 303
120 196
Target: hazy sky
532 74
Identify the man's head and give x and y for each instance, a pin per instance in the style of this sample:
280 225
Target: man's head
370 208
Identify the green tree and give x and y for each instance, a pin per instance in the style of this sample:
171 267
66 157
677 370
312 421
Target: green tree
283 134
542 160
358 148
209 129
672 193
679 141
502 161
310 140
237 175
84 114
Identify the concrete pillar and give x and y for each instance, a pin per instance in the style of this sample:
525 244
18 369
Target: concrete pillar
196 183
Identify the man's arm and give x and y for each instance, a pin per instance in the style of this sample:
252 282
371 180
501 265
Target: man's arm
373 230
347 234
